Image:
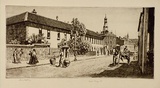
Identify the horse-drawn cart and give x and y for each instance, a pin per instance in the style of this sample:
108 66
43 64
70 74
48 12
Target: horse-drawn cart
125 55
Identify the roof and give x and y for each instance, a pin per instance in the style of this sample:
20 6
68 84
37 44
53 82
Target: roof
30 17
15 19
110 34
94 34
34 18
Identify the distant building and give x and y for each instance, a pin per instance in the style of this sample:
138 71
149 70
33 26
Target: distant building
109 37
119 41
131 43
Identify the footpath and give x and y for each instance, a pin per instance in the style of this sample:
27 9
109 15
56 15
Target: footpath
24 64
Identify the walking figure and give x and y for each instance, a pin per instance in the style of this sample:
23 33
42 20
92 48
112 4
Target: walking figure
19 55
33 57
15 52
61 58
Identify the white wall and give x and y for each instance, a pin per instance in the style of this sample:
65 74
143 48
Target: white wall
53 39
31 30
53 36
68 37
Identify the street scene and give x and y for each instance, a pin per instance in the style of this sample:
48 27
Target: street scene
90 67
79 42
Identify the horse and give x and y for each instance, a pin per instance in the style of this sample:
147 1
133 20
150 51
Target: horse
125 55
119 54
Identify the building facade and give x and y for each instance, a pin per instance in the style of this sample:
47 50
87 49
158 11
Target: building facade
109 37
146 39
22 26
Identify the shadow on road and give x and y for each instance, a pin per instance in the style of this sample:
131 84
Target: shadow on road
125 71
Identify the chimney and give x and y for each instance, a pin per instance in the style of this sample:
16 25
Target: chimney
34 11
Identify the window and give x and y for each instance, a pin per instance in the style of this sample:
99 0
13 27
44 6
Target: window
48 34
58 36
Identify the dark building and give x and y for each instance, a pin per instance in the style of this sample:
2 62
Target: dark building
146 39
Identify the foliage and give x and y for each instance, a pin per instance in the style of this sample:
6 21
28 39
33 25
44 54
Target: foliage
39 38
78 28
15 41
62 43
76 42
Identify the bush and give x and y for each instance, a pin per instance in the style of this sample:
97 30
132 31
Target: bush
82 47
15 41
36 39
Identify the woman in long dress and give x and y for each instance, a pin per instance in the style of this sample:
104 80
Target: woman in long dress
33 57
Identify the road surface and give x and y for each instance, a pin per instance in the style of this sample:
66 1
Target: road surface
82 68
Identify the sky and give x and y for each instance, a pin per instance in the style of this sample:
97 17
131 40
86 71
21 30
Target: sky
120 20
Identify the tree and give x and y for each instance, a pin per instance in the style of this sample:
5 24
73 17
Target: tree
77 44
78 32
78 28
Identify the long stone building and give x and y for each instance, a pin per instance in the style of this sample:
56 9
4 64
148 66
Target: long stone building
23 25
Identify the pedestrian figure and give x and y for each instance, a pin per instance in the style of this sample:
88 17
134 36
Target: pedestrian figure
61 58
15 56
33 57
19 55
115 55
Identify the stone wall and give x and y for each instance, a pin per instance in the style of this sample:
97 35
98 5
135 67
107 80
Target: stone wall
42 50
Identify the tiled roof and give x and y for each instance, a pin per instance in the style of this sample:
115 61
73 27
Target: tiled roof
30 17
94 34
15 19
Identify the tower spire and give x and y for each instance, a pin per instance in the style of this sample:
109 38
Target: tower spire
105 26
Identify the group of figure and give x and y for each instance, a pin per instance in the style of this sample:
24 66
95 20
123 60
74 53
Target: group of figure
17 55
63 62
118 54
33 57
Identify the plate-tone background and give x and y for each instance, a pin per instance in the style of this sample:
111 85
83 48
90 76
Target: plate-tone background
80 82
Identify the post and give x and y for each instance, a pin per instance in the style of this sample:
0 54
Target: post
145 33
75 59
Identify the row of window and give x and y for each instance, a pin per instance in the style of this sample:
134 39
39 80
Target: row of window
94 41
48 34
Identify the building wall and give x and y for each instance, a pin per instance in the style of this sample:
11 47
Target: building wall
31 31
16 31
97 45
53 36
110 41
